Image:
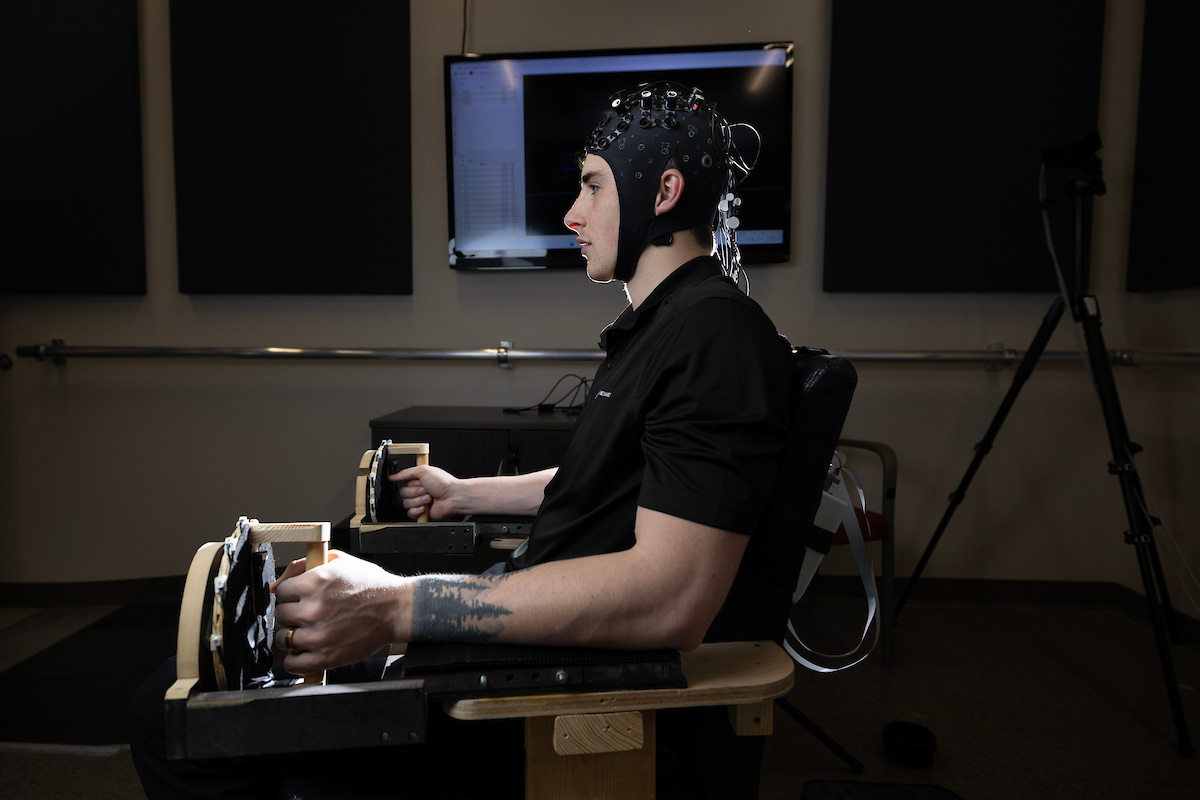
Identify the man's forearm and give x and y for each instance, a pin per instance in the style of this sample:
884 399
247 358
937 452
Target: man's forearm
547 604
456 608
663 592
558 603
505 494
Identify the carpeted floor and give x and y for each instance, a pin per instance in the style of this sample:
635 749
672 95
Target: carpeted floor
1026 701
76 691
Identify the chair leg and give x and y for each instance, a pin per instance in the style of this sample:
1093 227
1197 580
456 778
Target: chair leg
887 602
619 775
821 735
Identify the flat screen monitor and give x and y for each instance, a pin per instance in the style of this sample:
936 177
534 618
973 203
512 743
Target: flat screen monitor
516 123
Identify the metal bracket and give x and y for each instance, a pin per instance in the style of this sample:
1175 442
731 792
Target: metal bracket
502 355
1137 538
420 537
1009 357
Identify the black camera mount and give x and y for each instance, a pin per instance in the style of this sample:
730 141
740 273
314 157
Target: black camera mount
1082 180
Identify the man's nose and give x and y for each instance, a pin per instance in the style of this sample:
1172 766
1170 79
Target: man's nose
571 220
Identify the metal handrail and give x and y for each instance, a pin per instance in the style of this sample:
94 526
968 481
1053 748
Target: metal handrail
506 355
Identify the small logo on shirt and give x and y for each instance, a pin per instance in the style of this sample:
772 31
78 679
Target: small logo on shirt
603 393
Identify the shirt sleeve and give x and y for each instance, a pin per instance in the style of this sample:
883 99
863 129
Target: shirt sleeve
715 417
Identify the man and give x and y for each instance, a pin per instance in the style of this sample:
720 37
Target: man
640 532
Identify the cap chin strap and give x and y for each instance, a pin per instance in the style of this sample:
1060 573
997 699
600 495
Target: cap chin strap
635 235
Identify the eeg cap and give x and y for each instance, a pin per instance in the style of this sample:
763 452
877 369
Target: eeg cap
640 134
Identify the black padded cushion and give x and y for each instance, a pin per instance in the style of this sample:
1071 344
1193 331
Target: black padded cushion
758 604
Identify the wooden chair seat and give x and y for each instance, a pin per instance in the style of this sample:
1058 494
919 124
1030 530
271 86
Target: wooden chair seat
602 744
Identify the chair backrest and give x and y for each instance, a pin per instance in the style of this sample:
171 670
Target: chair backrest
761 596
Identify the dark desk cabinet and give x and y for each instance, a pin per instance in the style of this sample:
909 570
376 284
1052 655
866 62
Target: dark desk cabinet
472 441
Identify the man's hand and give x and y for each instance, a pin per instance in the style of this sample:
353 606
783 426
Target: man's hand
447 496
429 487
342 612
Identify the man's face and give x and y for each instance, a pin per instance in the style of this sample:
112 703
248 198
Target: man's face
595 217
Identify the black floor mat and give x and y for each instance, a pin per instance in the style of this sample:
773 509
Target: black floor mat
78 690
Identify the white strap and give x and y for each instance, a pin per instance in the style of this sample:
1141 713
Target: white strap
808 569
829 516
859 548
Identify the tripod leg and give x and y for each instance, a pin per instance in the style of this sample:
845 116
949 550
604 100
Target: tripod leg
1158 617
824 737
1155 563
1141 533
1036 348
1168 611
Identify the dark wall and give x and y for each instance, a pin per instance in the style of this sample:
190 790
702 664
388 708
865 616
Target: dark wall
939 113
1166 183
71 210
292 147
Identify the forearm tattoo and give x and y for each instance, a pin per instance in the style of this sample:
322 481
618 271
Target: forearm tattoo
452 609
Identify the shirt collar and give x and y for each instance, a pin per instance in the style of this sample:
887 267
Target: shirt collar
691 272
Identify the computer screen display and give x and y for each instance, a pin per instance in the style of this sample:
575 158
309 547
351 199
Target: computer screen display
516 123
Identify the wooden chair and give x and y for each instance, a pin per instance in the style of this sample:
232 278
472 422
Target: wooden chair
603 744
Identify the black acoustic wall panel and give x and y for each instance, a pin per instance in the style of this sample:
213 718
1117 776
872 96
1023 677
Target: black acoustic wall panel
1166 179
71 209
939 113
292 160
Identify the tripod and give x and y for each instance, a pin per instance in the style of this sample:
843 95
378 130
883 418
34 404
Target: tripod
1080 158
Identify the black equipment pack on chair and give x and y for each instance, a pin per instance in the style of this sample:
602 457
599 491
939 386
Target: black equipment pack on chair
823 388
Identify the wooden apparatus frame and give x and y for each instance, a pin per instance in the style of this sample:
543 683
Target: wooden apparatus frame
200 604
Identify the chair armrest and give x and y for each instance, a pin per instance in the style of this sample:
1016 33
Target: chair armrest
718 673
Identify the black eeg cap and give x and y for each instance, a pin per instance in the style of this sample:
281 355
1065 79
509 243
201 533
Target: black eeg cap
640 133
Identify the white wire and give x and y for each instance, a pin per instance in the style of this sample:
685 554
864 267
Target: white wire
739 161
727 247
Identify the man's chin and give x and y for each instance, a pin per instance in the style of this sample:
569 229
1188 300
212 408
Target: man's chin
599 275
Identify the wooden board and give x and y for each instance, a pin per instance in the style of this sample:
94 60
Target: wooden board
196 592
720 673
578 734
619 775
289 531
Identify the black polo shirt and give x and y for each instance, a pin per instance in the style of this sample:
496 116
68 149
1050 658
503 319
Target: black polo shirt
687 416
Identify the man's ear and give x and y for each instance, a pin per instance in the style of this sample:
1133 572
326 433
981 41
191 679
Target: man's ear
670 189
